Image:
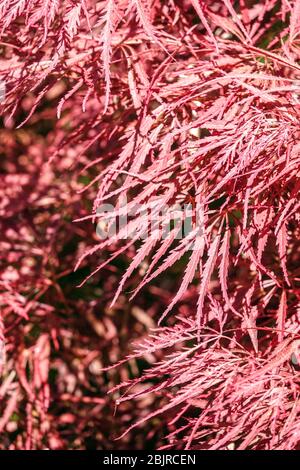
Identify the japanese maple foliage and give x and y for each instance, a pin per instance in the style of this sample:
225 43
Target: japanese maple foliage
177 103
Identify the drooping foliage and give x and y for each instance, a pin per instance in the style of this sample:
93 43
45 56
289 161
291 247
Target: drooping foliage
177 104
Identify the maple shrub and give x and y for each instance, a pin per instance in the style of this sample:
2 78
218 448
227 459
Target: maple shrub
150 248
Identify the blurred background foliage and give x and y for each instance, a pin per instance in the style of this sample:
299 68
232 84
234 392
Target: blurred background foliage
58 337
